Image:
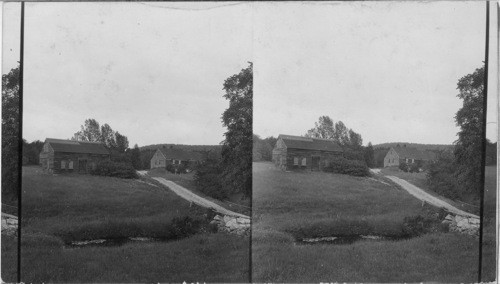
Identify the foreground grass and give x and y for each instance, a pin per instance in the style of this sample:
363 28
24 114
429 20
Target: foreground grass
63 208
9 259
236 202
289 205
489 225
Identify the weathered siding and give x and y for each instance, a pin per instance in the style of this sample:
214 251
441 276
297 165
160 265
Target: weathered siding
158 160
76 162
391 159
295 159
47 157
279 154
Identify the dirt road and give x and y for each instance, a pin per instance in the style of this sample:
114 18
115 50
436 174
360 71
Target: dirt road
188 195
422 195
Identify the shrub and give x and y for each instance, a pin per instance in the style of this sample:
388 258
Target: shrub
185 226
403 166
114 169
348 167
414 168
207 178
441 177
419 225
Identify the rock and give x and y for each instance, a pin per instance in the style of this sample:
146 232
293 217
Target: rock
448 217
232 224
243 220
474 221
227 219
218 218
458 218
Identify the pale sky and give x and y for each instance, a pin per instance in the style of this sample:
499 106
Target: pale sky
155 71
388 70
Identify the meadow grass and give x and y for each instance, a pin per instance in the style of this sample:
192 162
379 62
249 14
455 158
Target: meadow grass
9 259
63 208
489 225
291 205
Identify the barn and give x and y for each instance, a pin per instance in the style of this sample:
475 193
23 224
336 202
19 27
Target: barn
408 155
174 156
59 155
296 152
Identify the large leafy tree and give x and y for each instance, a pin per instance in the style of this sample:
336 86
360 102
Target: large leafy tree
121 142
10 134
90 132
108 136
324 128
469 146
236 160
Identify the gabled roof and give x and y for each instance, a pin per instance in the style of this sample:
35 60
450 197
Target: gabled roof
413 153
180 154
306 143
72 146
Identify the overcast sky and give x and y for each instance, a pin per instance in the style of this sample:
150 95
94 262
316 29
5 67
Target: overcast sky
155 71
388 70
151 72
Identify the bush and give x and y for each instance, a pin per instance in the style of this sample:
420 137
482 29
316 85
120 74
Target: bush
418 225
441 177
185 226
414 168
207 178
403 166
347 167
114 169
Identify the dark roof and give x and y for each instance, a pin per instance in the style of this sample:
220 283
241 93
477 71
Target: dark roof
306 143
414 153
72 146
180 154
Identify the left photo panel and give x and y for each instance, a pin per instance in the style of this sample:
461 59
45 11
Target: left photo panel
136 142
11 140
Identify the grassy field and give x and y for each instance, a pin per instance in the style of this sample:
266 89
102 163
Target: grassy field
63 208
236 202
291 205
489 229
420 180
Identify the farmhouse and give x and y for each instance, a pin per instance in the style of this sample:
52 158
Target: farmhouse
296 152
408 155
60 155
174 156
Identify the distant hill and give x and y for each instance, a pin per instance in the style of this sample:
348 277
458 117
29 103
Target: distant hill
422 147
181 146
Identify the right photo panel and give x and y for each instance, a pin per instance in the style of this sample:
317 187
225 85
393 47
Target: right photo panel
373 143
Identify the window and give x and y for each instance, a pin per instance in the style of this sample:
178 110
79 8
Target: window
295 161
63 165
406 160
304 161
70 165
173 162
412 161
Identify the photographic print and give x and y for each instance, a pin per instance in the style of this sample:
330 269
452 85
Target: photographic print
368 143
137 136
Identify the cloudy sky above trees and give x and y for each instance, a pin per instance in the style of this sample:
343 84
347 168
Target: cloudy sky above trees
389 70
155 71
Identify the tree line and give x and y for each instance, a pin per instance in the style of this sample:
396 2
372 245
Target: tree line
230 172
458 174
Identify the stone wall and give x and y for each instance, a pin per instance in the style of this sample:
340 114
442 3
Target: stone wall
230 224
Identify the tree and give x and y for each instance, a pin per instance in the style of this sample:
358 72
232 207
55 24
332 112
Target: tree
10 134
469 146
324 128
236 160
355 140
108 136
342 133
90 132
370 155
135 156
121 142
